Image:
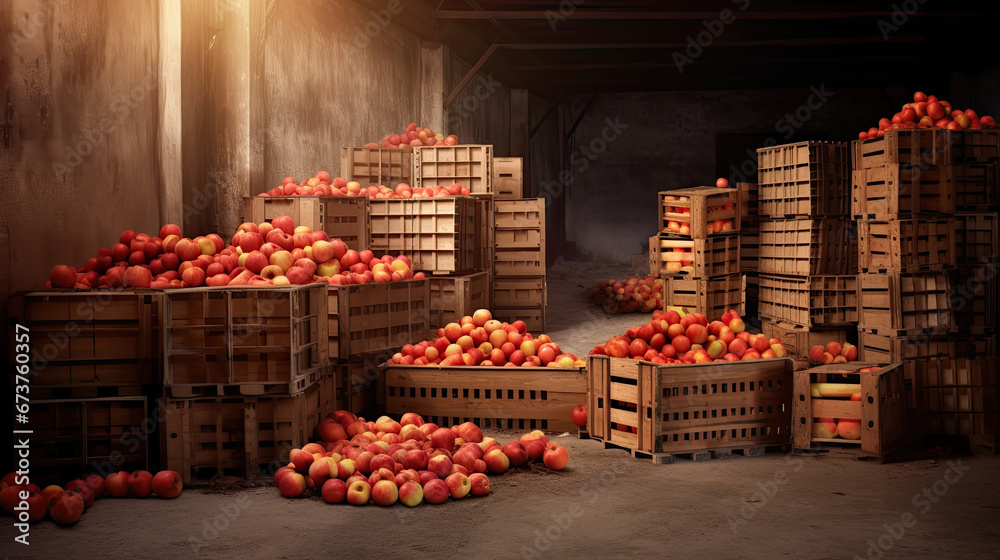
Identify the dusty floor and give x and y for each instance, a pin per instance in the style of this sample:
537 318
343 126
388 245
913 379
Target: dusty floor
605 504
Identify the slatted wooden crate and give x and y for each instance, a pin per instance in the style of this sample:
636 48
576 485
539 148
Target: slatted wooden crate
508 177
957 398
885 193
74 436
89 339
907 303
875 347
715 256
709 296
749 252
519 236
440 235
512 399
217 341
907 147
378 166
699 207
977 237
377 317
808 247
880 410
663 410
525 213
805 179
358 385
341 217
468 165
519 292
906 245
976 146
533 316
453 297
519 262
975 297
809 301
239 436
797 339
749 205
977 186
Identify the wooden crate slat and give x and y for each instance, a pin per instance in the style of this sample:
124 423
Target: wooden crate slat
377 166
709 296
715 256
906 302
813 301
882 193
906 245
453 297
804 179
508 177
808 247
798 339
468 165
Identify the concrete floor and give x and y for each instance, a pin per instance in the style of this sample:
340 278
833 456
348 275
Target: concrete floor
605 504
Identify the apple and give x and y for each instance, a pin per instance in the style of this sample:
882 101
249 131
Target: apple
440 465
140 484
496 461
443 438
535 448
334 491
555 457
51 490
117 484
66 507
436 491
81 488
516 454
458 485
292 485
385 493
62 276
35 505
816 352
411 493
824 428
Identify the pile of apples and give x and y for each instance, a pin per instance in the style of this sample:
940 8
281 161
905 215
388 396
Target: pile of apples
415 136
672 338
480 340
684 228
834 353
927 111
409 461
322 185
632 295
268 254
65 504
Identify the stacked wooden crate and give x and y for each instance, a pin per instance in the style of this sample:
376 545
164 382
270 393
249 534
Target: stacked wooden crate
508 178
341 217
750 248
697 250
807 263
519 261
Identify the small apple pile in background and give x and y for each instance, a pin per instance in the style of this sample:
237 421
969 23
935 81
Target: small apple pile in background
65 504
322 185
632 295
671 338
834 353
927 111
415 136
480 340
409 461
268 254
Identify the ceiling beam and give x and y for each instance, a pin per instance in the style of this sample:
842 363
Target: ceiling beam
469 75
679 16
809 41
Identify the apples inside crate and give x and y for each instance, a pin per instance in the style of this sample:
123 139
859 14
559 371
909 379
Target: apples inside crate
804 179
453 297
260 340
89 338
700 207
468 165
906 245
662 409
344 218
508 177
377 166
239 436
871 402
808 247
809 301
886 192
908 147
512 399
977 186
709 296
798 339
376 317
71 436
440 235
907 303
715 256
977 237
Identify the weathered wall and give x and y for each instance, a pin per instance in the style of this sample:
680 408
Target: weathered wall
79 131
481 112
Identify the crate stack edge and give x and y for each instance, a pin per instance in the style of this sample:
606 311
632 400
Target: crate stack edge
519 284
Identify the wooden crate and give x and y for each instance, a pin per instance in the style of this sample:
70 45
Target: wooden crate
749 252
516 262
797 339
440 235
533 316
977 186
341 217
526 292
494 398
749 205
804 179
508 177
809 301
74 436
907 147
716 256
699 207
808 247
525 213
881 410
468 165
975 298
976 146
709 296
668 409
907 303
957 398
244 339
976 237
89 339
906 245
892 191
378 166
238 436
454 297
377 317
875 347
358 384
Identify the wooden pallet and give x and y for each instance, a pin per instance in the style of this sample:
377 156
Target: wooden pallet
671 255
893 191
443 235
977 237
699 207
453 297
341 217
804 179
702 455
808 247
377 317
468 165
508 177
906 245
904 304
809 301
377 166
